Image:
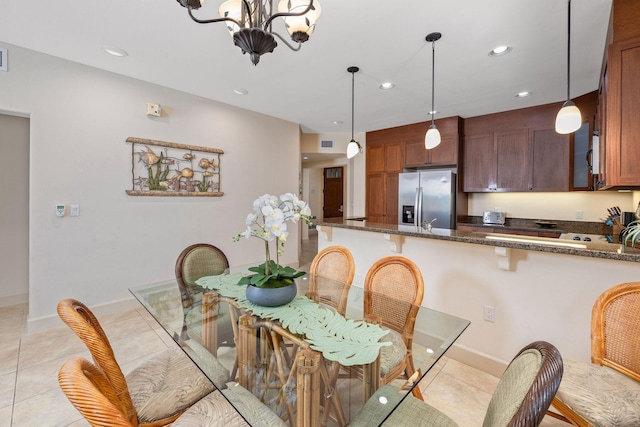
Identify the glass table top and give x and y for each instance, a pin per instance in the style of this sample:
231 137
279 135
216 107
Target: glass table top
310 362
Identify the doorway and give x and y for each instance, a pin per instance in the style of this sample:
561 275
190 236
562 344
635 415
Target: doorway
14 209
333 204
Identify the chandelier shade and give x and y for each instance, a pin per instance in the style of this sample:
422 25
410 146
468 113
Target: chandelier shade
250 22
432 138
569 118
300 27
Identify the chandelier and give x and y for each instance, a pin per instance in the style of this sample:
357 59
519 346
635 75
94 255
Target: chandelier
250 22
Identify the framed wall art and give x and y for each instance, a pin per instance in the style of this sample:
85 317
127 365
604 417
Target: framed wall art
160 168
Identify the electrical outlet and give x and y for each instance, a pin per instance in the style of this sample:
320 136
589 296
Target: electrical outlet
579 214
489 313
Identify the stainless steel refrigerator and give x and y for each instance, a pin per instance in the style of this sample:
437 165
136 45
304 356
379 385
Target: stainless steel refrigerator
427 197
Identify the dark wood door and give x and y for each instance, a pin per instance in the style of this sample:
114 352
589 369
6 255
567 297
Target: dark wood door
333 192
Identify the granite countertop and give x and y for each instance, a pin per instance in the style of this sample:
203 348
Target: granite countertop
590 249
552 226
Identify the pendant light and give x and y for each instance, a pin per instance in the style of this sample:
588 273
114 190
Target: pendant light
353 148
432 138
568 119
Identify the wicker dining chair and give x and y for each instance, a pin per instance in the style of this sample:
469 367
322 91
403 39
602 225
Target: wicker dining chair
336 264
157 391
194 262
520 399
95 397
606 392
394 289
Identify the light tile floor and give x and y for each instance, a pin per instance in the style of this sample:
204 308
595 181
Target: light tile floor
30 396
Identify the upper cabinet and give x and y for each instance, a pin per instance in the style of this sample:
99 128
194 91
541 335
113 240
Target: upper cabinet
619 107
445 154
519 150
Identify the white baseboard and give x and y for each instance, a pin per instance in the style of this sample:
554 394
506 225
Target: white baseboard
464 354
475 359
46 323
14 300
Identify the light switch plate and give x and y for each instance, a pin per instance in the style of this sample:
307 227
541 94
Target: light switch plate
74 210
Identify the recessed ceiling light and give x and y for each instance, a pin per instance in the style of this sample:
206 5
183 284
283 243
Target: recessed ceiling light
387 86
500 50
523 94
337 122
115 51
240 91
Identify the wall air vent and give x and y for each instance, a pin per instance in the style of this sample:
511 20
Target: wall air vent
3 59
326 144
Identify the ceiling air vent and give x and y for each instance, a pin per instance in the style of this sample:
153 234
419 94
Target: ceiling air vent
326 144
3 59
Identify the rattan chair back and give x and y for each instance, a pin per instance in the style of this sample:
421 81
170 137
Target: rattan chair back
336 264
194 262
93 395
615 329
85 325
394 289
533 400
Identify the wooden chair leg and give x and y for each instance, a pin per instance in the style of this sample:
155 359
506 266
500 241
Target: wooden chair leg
566 414
308 389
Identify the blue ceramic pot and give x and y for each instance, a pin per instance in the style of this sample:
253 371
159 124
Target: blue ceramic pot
271 297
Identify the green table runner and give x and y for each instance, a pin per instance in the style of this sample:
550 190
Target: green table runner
348 342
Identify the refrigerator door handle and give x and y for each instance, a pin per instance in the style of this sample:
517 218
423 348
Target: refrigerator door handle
416 209
418 214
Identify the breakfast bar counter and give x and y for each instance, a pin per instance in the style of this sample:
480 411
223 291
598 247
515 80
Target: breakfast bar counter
537 288
612 251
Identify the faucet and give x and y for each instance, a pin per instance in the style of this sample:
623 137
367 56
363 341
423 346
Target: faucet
427 225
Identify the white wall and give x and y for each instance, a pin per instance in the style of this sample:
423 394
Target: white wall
80 118
14 209
544 296
560 206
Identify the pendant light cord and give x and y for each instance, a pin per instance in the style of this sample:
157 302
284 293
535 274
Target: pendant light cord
353 91
568 50
433 79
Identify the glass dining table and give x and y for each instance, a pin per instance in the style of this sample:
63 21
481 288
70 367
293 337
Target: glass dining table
308 363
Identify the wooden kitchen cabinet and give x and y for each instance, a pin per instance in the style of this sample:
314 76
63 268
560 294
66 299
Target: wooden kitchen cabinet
479 167
445 154
519 150
550 155
513 160
384 163
619 105
498 161
620 128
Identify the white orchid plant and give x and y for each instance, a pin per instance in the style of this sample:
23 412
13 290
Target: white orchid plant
268 222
